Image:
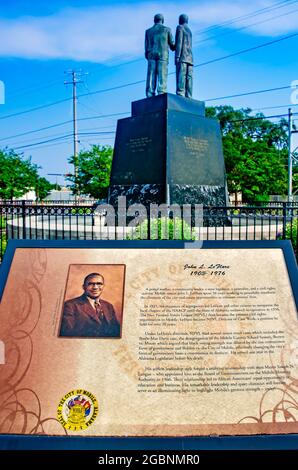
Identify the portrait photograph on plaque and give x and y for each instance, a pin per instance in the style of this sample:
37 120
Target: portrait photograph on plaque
93 302
148 226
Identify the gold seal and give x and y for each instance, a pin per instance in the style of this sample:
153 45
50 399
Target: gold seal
77 410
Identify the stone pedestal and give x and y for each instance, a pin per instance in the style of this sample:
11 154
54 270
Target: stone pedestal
168 152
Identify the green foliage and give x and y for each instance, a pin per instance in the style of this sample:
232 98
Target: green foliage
3 239
163 228
255 153
18 176
295 181
43 188
94 168
292 232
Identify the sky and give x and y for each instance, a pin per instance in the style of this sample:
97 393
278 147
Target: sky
104 41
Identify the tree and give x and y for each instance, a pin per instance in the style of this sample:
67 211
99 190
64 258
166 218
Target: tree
94 169
17 175
255 151
44 187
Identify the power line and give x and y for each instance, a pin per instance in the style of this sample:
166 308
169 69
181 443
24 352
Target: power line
69 99
103 116
31 140
90 141
256 92
53 139
225 33
278 5
118 87
43 142
274 41
35 139
100 116
65 139
261 11
274 107
37 108
255 118
248 15
62 142
36 130
87 106
97 133
244 51
37 87
198 65
101 128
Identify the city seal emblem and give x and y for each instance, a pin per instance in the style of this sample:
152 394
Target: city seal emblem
77 410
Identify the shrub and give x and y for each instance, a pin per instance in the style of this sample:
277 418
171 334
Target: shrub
292 232
3 240
163 228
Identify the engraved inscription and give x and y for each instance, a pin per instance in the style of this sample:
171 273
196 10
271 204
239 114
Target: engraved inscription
138 144
196 146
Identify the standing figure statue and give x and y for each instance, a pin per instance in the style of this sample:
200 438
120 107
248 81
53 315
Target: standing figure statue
158 40
183 58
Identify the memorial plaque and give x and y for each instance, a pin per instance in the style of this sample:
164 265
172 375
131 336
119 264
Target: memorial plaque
207 346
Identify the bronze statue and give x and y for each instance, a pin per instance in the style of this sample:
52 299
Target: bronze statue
158 40
183 58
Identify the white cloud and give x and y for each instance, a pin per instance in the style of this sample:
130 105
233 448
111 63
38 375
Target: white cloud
112 33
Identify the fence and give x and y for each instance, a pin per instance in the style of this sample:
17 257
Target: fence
27 220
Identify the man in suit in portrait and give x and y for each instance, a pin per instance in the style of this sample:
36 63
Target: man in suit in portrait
183 58
88 315
158 40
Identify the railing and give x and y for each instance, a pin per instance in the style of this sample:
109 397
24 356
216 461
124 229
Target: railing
265 204
27 220
58 202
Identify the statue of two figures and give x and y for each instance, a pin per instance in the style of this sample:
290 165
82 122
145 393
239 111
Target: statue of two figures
158 41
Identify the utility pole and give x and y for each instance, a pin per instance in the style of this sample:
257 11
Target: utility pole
75 78
290 160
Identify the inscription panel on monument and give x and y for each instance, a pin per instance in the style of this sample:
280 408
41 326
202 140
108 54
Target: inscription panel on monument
138 149
138 144
196 146
202 327
195 151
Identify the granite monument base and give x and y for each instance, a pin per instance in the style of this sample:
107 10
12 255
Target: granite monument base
168 152
182 194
